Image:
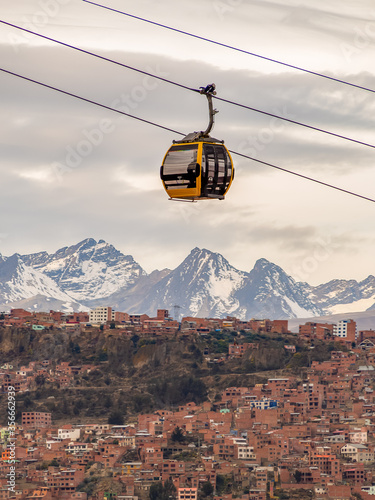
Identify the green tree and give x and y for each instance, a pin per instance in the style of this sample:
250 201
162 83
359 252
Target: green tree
170 492
27 402
222 484
116 418
177 435
297 475
108 402
158 491
135 338
207 489
40 380
141 402
102 356
74 348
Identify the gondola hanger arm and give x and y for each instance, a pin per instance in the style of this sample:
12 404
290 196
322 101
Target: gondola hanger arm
209 91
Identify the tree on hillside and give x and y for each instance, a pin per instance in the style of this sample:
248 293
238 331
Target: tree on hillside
297 476
116 418
207 489
158 491
177 435
170 492
40 380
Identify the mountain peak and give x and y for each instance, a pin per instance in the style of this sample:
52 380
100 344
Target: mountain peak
205 284
88 270
205 253
263 263
86 243
198 251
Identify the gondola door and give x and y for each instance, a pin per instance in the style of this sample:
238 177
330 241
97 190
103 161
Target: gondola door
215 169
210 178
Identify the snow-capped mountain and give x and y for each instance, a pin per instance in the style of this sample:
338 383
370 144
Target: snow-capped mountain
337 295
19 281
205 284
89 270
270 293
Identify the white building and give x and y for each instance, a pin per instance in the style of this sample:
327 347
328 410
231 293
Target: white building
71 434
344 329
76 448
245 452
357 452
101 315
264 404
358 436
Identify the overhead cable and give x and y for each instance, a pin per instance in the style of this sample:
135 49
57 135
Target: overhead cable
89 101
273 115
54 40
352 193
231 47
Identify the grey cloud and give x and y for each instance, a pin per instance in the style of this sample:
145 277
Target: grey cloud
114 192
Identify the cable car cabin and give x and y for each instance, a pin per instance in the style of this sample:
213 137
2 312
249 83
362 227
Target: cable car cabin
197 170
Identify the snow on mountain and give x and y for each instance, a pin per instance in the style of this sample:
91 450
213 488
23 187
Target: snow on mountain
131 299
42 303
202 285
337 295
348 307
89 270
270 293
19 281
206 285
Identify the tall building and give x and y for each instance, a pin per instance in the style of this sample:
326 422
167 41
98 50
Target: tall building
100 315
103 314
346 329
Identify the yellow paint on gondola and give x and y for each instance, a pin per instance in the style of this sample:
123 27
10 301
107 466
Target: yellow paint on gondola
197 187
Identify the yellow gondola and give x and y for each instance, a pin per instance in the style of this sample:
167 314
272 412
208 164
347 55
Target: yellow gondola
198 167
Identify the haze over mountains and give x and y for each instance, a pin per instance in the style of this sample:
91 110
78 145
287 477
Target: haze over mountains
91 273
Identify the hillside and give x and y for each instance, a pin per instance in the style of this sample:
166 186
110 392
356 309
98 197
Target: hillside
125 376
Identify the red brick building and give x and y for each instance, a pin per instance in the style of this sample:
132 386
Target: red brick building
36 419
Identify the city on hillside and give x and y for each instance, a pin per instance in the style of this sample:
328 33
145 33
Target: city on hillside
306 431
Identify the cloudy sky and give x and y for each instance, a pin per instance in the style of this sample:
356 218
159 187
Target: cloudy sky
71 170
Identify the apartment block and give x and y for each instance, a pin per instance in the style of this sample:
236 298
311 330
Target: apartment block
36 419
187 493
346 329
100 315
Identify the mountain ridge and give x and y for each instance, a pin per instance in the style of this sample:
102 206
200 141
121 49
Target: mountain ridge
205 284
87 270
